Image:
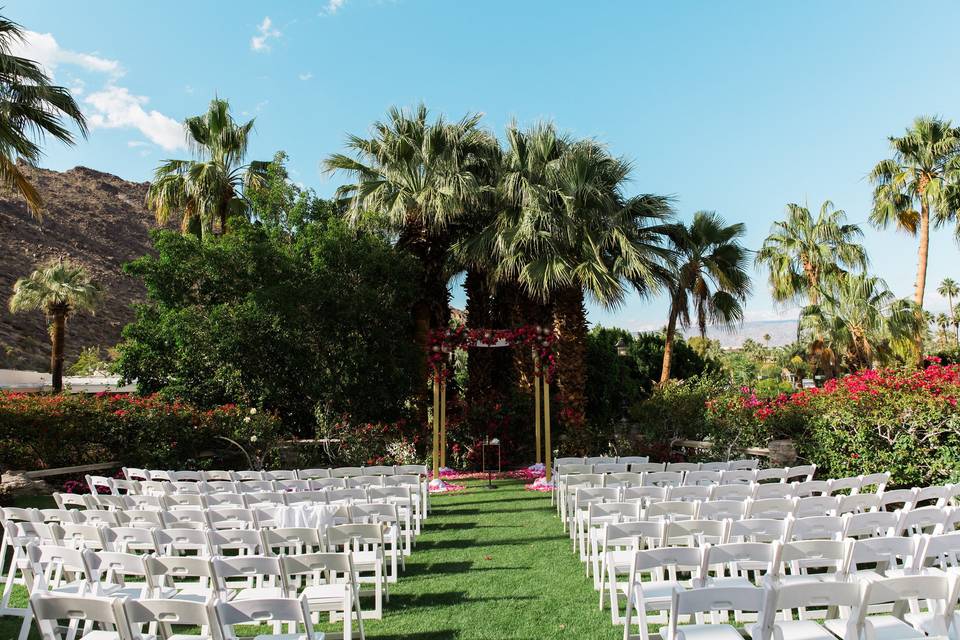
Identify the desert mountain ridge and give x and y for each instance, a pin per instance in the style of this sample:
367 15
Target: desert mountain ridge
93 217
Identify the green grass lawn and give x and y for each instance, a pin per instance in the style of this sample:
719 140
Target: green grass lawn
489 564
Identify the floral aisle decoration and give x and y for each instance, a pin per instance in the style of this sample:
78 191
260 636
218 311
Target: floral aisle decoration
444 342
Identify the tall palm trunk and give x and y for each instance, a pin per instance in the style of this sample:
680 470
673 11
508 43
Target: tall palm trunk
57 337
668 346
923 252
570 324
953 320
523 311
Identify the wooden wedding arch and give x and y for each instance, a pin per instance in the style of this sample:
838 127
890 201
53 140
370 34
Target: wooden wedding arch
443 342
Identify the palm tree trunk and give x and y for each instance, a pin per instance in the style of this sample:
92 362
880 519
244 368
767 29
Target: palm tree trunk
570 324
953 321
57 336
668 346
923 253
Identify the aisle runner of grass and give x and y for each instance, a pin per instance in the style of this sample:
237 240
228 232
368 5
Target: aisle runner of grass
490 564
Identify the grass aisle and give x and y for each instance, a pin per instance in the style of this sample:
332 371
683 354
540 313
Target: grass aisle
493 564
489 564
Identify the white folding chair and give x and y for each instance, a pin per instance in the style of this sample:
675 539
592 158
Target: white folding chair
738 476
647 467
653 579
243 542
364 543
313 474
683 467
722 603
695 533
280 475
739 492
858 503
663 478
672 510
936 591
751 464
715 466
773 474
765 490
816 506
871 524
802 473
177 541
889 556
346 472
841 485
819 599
174 618
248 577
328 582
776 508
897 499
619 543
181 577
295 613
60 617
922 520
760 529
291 541
722 510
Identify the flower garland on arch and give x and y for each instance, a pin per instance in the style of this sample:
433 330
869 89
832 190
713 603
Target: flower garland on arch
442 342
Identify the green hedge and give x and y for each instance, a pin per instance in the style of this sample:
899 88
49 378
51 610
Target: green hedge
903 421
50 431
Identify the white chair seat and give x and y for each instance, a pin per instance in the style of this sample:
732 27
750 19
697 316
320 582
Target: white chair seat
286 636
729 581
800 630
254 593
703 632
660 592
100 634
325 593
883 628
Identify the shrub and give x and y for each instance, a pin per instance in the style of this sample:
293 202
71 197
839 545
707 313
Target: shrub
45 431
281 322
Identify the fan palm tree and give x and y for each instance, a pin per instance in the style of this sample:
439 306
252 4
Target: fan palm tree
58 288
710 282
209 189
943 323
861 321
918 186
415 178
31 108
804 253
950 289
567 230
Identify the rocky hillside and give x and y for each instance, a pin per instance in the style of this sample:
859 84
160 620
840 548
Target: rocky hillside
93 217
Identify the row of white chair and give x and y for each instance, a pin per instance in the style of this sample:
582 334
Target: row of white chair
751 463
132 473
125 619
110 486
615 492
328 582
713 613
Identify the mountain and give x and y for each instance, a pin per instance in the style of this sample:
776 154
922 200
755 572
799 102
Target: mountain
781 332
95 218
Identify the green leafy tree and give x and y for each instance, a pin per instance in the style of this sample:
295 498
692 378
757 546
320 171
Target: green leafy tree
255 319
710 283
950 289
806 254
918 186
58 288
31 108
211 188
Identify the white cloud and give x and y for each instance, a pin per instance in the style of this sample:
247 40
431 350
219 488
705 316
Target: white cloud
265 32
45 49
188 89
333 6
305 75
116 108
133 144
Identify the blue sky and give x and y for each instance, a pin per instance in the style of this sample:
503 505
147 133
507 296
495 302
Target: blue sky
738 107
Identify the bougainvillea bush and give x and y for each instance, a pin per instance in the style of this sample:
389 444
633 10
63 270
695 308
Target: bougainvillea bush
51 431
898 420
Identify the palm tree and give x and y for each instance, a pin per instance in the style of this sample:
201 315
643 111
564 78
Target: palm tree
949 289
861 321
58 288
210 188
710 280
942 321
805 253
568 231
923 173
416 179
31 108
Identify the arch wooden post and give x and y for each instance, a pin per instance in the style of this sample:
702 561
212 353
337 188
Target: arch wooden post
436 426
536 417
443 424
546 430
